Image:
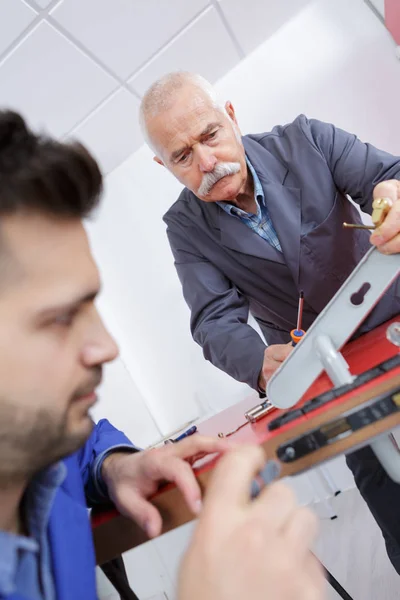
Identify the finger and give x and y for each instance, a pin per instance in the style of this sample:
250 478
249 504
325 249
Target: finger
389 228
199 444
132 505
271 365
387 189
196 457
316 576
301 529
231 481
391 247
275 506
278 352
314 567
268 370
180 472
192 460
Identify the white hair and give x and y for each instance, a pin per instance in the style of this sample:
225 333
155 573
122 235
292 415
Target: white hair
161 94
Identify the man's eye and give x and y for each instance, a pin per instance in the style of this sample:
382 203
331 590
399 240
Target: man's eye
212 135
183 158
66 319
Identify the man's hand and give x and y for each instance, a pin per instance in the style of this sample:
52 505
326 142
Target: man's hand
250 549
132 478
387 237
273 358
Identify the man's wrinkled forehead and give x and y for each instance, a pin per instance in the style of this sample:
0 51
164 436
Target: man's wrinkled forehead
184 120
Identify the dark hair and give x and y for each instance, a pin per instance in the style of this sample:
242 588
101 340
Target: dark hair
40 174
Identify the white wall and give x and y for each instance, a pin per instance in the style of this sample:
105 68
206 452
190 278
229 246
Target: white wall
333 61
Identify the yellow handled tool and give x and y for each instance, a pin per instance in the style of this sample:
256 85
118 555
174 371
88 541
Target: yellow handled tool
380 208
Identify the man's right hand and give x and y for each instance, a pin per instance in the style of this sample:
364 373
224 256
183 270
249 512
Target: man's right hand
245 548
273 358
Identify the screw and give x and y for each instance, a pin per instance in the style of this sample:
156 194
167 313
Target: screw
289 453
393 334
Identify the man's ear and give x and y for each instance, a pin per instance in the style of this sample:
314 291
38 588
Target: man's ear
158 160
231 111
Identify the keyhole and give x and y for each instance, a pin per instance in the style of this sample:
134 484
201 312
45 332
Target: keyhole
358 297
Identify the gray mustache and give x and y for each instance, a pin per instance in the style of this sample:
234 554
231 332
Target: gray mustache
221 170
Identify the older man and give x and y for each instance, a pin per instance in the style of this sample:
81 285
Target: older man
260 219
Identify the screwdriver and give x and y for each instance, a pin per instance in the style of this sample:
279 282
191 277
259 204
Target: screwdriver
183 435
297 334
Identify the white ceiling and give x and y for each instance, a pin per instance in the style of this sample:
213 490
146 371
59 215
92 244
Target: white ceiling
80 67
379 5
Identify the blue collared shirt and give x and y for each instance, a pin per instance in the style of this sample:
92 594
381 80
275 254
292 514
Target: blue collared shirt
25 562
260 223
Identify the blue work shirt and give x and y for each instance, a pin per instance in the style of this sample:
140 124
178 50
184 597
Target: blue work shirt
57 560
260 223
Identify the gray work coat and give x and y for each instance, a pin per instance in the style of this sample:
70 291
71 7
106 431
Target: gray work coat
306 170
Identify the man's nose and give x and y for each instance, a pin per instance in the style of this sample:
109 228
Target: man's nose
100 347
206 160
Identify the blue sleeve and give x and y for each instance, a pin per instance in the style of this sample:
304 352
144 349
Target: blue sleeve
103 440
356 167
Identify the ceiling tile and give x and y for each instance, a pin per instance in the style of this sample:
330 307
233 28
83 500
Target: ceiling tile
380 6
252 21
15 16
112 132
51 82
123 34
187 52
42 3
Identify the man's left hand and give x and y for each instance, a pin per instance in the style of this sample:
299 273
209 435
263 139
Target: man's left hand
132 478
387 237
